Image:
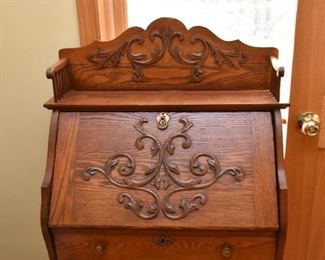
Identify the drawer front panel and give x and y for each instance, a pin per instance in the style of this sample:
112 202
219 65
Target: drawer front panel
211 170
143 245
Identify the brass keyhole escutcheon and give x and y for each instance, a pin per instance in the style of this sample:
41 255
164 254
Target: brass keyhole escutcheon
98 250
162 120
309 123
162 241
226 251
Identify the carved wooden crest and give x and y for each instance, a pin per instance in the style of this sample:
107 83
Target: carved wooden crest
168 35
165 56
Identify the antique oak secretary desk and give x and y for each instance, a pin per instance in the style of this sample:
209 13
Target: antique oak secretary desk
165 143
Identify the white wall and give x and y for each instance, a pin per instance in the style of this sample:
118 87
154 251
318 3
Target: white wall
32 32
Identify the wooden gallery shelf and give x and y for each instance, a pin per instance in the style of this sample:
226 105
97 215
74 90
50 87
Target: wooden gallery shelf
166 100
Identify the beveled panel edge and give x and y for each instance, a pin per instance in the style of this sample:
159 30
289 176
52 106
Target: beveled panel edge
265 189
46 188
282 188
68 127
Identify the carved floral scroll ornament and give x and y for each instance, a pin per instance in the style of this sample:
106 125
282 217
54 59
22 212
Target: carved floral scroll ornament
104 58
202 176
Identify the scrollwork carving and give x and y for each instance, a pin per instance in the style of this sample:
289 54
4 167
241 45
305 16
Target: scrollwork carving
203 175
103 58
168 35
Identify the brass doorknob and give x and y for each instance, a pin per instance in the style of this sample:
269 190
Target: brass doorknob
309 123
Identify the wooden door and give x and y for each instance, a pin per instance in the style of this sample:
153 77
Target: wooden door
305 157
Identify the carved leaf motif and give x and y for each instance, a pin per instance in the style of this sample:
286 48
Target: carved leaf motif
196 73
114 162
173 168
218 56
129 202
195 56
125 169
103 58
235 172
153 208
212 163
169 208
91 171
139 56
185 205
166 182
234 62
136 205
138 143
170 148
138 74
150 171
154 149
196 165
186 124
156 182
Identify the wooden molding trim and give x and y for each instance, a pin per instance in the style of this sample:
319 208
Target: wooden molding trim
46 190
282 189
101 19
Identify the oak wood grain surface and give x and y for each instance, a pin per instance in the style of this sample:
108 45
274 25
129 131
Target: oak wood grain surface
237 139
183 245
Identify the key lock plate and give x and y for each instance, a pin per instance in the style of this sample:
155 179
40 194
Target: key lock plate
162 120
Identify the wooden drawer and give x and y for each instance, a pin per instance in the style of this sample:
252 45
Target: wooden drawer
154 245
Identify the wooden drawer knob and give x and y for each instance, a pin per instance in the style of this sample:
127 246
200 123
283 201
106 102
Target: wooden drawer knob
226 251
98 250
